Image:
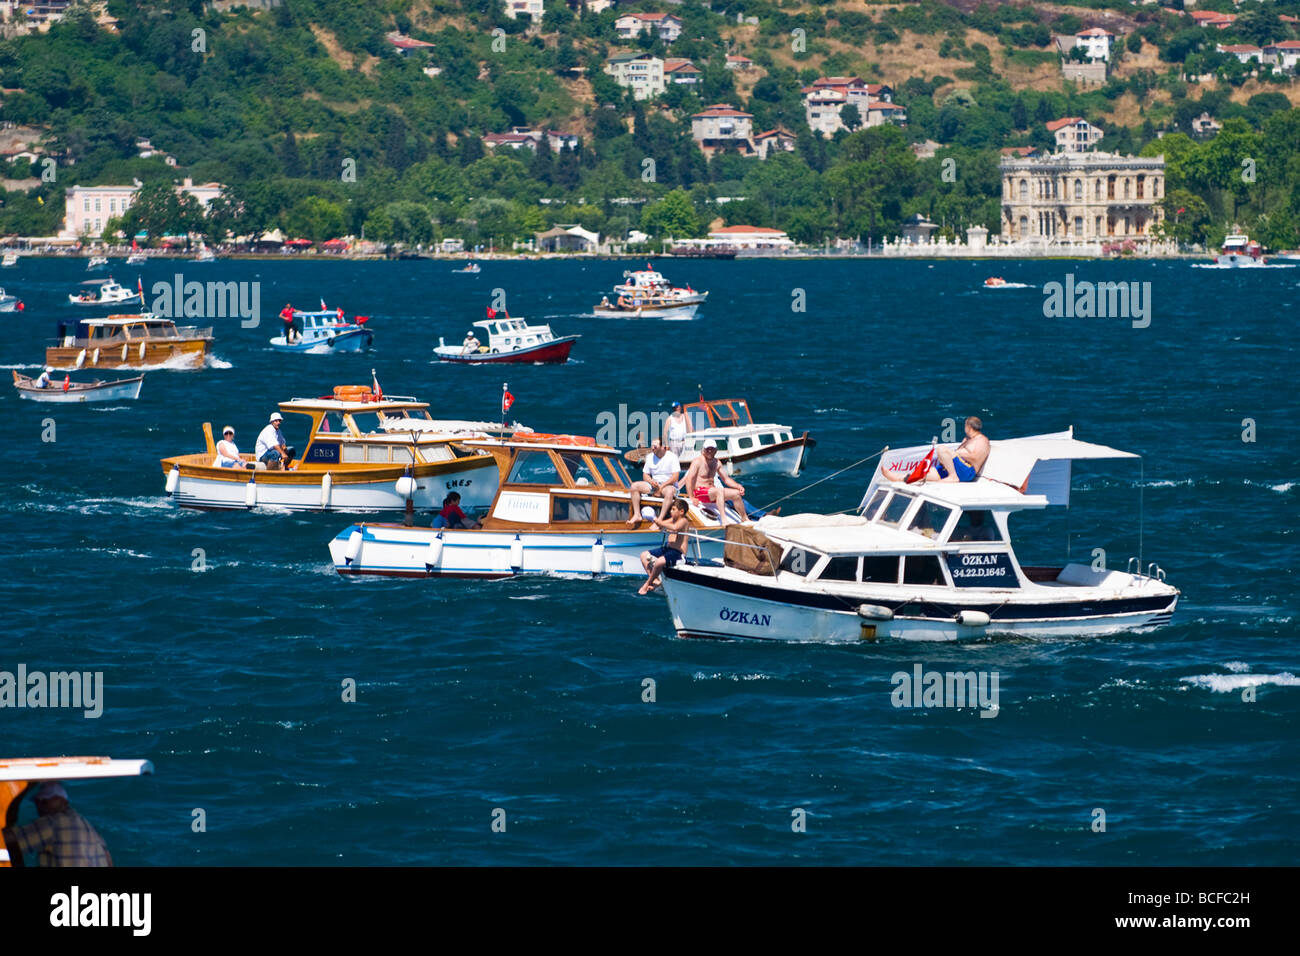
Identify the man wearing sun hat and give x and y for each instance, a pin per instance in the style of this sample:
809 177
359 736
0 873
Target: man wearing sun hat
60 836
271 449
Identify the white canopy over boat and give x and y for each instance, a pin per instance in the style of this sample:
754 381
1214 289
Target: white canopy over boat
1038 464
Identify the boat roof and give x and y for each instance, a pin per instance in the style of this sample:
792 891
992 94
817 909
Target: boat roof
340 405
525 444
70 768
849 534
487 323
980 493
127 319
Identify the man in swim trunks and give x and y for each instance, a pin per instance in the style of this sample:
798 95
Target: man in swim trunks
966 463
700 484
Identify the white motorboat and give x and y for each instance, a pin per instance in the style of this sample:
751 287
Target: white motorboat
646 294
106 292
1239 251
205 255
471 268
136 259
10 303
96 262
508 340
69 392
10 259
928 562
364 452
560 508
744 448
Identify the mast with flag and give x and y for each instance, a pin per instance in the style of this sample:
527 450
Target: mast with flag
374 383
506 401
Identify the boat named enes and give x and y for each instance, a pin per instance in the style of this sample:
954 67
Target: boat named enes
930 561
128 341
561 508
364 452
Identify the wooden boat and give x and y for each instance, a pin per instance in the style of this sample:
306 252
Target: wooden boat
106 292
20 776
560 508
509 340
744 448
128 341
363 453
646 294
73 393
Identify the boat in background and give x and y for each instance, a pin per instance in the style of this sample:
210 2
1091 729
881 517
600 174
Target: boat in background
96 262
646 294
924 562
10 303
10 259
325 331
136 259
471 268
561 507
744 448
997 282
106 292
22 775
205 255
508 340
69 392
128 341
1239 251
365 451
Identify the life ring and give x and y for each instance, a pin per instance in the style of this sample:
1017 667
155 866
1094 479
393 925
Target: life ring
353 393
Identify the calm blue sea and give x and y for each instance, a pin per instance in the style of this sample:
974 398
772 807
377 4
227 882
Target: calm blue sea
527 695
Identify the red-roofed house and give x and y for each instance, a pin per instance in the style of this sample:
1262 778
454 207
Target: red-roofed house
1022 151
1074 134
722 126
779 140
1096 43
681 71
1242 51
666 26
1285 54
1211 18
826 98
521 137
739 62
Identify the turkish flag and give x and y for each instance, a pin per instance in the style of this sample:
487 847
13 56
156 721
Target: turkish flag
67 380
506 401
491 312
919 472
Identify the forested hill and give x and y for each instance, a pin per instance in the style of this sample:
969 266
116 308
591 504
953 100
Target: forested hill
317 123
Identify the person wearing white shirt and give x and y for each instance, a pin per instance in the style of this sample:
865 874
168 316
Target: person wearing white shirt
676 428
660 473
227 450
43 380
271 449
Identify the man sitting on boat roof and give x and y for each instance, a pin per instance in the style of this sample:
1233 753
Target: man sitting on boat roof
963 464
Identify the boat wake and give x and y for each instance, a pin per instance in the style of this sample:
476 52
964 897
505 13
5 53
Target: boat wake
1227 683
214 362
21 366
1266 265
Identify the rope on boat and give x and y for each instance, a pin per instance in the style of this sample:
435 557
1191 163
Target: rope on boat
827 478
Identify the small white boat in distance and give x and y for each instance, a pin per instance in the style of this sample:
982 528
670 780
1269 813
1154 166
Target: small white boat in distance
10 259
18 777
106 292
205 255
471 268
924 562
96 262
10 303
68 392
136 259
646 294
509 339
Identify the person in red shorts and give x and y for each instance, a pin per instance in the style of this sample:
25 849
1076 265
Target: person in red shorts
700 484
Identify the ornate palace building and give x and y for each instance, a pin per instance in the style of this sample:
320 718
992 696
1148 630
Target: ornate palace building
1073 198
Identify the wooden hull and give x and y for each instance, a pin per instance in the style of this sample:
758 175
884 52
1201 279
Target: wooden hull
354 489
175 352
553 352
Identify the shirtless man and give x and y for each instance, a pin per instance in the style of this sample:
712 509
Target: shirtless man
964 464
700 484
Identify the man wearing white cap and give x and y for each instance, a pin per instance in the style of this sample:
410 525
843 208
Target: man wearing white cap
702 484
271 449
43 380
60 836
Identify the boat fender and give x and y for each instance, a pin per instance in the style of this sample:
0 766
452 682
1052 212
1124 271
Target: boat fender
598 557
330 341
250 492
972 619
516 554
433 553
125 349
81 359
173 480
94 359
142 351
406 487
353 550
326 487
875 612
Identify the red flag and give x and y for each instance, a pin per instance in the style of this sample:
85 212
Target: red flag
67 380
361 319
491 312
506 401
1181 211
379 392
919 472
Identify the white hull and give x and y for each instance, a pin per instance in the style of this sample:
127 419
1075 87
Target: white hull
783 461
699 610
477 488
667 312
127 391
405 552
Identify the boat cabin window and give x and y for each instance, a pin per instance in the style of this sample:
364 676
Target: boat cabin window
767 439
565 508
798 561
699 418
607 470
331 423
976 526
746 441
610 511
929 519
880 569
876 501
579 469
366 422
842 568
895 510
923 569
403 454
433 453
534 468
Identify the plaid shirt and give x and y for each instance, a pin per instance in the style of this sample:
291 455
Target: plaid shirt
62 839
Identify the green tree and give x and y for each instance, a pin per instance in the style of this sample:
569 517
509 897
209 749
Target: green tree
315 218
674 216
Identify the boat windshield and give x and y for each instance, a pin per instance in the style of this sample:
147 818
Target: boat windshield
367 422
876 501
331 423
798 561
895 510
929 519
976 526
534 468
578 468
